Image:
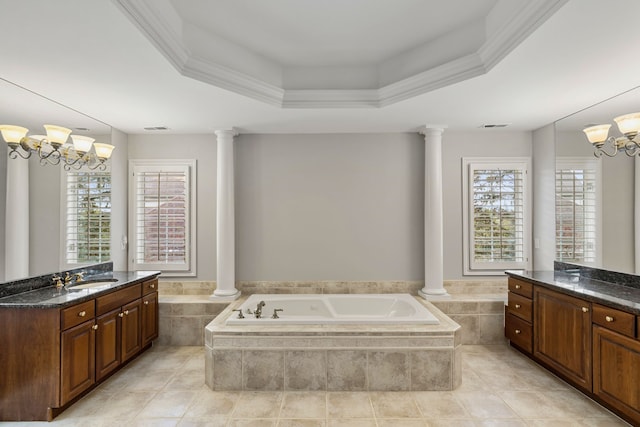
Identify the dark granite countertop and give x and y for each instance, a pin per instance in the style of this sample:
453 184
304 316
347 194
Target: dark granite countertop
50 297
622 296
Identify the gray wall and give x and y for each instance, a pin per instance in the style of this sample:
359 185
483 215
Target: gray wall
330 207
3 199
455 146
203 149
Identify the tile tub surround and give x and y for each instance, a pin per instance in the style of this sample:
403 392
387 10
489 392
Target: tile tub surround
184 317
333 357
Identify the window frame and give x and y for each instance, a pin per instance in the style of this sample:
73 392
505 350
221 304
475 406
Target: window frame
64 179
188 268
566 162
469 164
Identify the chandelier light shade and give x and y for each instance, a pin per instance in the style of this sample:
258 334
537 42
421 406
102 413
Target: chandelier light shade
53 148
628 125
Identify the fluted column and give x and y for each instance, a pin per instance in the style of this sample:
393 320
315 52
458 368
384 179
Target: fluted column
433 221
225 222
16 258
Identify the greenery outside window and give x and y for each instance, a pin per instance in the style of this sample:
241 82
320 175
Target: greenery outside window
162 216
87 217
496 215
578 223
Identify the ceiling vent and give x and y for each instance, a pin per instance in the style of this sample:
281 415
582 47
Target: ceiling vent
494 126
156 128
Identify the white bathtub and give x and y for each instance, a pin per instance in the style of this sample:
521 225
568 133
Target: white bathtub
305 309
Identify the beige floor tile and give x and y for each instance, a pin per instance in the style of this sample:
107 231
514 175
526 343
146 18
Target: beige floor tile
485 405
283 422
205 422
436 404
140 381
168 404
256 422
258 404
125 404
400 422
501 423
349 405
601 422
351 422
394 405
186 382
212 404
527 404
452 423
304 405
554 423
155 422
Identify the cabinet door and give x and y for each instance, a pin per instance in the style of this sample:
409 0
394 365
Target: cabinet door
616 371
131 329
149 318
562 335
78 360
107 343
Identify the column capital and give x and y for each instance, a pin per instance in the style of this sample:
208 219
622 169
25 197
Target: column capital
428 130
232 132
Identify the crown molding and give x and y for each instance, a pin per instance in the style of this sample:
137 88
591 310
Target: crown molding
161 24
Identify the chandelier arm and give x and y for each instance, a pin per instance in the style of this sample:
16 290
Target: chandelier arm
631 149
14 153
600 151
99 166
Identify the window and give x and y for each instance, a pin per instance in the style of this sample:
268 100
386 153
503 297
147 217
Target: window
496 215
577 210
87 217
163 216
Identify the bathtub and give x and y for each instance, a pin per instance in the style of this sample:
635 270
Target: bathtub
338 309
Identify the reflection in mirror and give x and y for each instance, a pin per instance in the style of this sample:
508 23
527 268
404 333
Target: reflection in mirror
45 190
595 198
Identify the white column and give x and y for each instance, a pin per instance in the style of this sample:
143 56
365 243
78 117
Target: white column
433 223
225 223
16 258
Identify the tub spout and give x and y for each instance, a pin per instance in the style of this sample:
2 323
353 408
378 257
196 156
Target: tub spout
258 312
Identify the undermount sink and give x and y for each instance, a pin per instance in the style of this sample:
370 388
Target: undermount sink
92 284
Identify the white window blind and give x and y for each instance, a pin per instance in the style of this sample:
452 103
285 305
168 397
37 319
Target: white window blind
577 206
162 224
497 219
87 211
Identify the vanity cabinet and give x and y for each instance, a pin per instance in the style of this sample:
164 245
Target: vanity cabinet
51 356
562 337
594 347
616 359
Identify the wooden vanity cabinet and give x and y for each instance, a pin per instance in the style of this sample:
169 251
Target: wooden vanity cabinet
562 338
150 318
518 315
51 356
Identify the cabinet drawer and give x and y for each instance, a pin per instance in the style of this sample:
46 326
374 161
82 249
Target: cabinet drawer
519 332
520 306
520 287
149 286
77 314
119 298
614 320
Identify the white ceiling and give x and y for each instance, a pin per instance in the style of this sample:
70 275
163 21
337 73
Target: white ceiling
99 58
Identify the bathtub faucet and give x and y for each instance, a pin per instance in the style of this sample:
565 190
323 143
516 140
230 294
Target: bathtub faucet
258 312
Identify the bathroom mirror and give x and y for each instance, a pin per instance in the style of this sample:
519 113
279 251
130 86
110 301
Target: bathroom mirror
617 184
23 107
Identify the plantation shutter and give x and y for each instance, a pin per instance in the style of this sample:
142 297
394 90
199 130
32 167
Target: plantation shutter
497 220
162 217
87 217
576 211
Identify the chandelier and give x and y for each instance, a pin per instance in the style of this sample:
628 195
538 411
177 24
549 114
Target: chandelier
53 148
629 126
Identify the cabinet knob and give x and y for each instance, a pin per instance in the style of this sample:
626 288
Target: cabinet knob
126 312
609 318
518 331
517 305
121 314
585 309
82 313
95 327
146 303
152 286
518 286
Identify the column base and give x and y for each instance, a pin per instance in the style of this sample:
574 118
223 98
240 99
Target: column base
225 296
434 294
